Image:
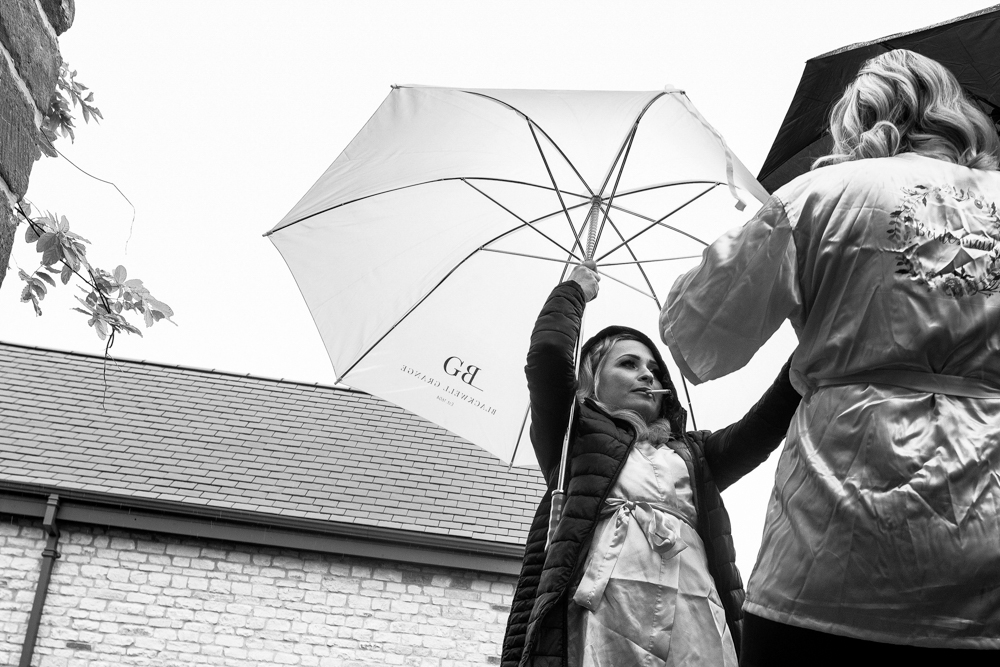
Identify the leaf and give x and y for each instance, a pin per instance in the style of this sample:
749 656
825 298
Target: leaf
47 278
52 255
46 241
120 273
31 234
102 329
66 274
46 222
70 258
77 237
162 308
44 142
148 317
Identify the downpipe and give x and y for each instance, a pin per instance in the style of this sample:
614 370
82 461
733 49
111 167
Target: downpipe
49 556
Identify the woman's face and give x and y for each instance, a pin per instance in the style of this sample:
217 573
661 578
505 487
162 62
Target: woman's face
628 373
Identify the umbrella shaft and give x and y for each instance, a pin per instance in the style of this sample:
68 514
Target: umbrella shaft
595 212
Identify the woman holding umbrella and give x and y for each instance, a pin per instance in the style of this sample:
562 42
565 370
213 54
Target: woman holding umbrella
641 567
882 536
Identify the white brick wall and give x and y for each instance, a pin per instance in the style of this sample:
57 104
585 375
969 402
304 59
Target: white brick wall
120 598
20 552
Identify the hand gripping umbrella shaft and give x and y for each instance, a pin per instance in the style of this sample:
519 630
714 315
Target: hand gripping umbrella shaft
559 494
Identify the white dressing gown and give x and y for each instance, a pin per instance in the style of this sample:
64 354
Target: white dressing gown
646 597
885 519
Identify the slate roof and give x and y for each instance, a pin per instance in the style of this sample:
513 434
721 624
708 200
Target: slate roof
209 439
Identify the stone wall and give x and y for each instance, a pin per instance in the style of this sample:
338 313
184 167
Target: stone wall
29 67
130 598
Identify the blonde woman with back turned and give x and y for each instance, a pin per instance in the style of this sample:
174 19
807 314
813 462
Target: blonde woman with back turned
882 537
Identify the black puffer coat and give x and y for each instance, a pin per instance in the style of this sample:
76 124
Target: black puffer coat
599 445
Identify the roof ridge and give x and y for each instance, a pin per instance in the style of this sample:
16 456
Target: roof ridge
197 369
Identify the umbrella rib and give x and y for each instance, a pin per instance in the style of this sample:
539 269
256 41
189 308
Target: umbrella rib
656 300
621 170
413 185
523 222
659 222
638 264
405 315
623 153
532 185
532 125
669 184
341 376
649 261
568 261
520 434
628 141
576 236
532 122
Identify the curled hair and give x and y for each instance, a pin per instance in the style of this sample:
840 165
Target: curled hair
590 370
901 101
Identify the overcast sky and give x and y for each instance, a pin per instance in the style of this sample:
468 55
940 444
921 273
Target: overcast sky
220 115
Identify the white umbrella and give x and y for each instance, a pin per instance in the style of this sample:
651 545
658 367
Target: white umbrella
427 248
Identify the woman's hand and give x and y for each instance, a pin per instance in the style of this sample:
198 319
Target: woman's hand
585 275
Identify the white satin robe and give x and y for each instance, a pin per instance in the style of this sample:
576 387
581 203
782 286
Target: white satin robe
884 523
646 597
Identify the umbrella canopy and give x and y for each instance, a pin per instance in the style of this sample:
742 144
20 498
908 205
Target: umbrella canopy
966 45
426 250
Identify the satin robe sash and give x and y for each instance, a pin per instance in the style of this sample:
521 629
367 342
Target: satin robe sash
659 523
932 383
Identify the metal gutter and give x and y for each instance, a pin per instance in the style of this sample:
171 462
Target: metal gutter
189 520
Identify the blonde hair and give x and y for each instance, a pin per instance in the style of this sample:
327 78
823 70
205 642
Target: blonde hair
657 432
901 101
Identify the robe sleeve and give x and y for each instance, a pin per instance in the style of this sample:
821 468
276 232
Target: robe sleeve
720 313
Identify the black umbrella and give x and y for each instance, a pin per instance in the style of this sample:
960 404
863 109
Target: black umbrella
969 46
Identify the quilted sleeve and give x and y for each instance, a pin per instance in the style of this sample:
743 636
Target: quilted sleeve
550 373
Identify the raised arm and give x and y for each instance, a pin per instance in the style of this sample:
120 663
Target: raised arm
550 369
719 314
739 448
